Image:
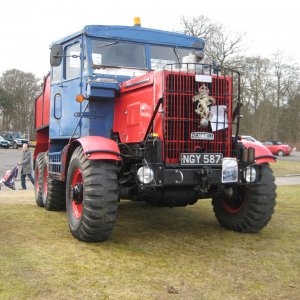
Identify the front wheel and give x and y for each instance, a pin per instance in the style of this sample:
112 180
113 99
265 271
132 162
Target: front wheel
15 146
249 207
91 197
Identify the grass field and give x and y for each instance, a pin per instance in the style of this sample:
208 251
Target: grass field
154 253
282 168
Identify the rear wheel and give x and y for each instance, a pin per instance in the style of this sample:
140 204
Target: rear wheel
250 207
38 179
91 197
44 179
280 153
56 198
53 191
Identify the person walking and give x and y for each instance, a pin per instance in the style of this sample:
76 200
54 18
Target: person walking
26 166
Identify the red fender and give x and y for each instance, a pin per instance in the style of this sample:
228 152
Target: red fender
262 153
97 147
94 147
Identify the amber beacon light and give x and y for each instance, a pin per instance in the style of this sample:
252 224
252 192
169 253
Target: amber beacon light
137 21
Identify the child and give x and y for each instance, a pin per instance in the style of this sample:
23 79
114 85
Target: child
9 179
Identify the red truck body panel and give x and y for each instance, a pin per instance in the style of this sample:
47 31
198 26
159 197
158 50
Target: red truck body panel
42 111
135 105
42 116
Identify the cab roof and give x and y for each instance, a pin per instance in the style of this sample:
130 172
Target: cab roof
137 34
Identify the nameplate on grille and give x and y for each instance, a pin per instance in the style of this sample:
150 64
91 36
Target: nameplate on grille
203 78
202 136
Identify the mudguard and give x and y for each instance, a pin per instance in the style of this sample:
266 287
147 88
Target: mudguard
262 153
97 147
94 147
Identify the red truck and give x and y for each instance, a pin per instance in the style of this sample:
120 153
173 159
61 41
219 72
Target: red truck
131 113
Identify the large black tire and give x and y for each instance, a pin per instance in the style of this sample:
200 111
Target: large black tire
251 206
56 198
38 180
53 190
91 197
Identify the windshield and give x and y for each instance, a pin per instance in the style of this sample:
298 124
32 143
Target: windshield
118 54
113 53
162 55
18 135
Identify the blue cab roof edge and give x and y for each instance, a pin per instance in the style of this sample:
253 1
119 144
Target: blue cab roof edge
137 34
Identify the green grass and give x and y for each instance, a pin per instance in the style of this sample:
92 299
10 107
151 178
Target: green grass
282 168
153 253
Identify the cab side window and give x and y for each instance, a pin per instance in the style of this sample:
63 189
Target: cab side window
56 74
72 63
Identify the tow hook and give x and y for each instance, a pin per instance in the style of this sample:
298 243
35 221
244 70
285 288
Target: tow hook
180 175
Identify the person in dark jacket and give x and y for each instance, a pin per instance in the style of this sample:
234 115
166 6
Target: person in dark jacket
26 166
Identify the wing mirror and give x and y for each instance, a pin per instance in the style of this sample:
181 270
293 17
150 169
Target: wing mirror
56 55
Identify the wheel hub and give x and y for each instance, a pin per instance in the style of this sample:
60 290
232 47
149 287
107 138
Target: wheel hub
233 199
77 193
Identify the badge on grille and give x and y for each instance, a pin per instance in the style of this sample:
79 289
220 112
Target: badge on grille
204 102
202 136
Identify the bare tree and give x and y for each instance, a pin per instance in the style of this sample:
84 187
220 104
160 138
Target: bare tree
20 89
200 26
268 87
222 46
284 85
255 81
6 109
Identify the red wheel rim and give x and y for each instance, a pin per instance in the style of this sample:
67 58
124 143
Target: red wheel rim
230 209
77 179
234 204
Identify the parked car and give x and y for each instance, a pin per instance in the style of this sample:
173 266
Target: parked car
16 139
278 148
4 143
250 138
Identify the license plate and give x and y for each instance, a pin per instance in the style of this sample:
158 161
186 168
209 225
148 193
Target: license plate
197 159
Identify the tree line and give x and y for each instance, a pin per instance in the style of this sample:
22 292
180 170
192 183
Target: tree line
18 91
270 89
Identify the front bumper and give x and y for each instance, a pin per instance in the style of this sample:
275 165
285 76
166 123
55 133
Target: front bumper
177 176
4 145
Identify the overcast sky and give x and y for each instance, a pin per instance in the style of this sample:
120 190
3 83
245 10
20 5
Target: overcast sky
27 27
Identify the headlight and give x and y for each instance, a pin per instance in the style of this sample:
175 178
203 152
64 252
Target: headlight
250 174
145 174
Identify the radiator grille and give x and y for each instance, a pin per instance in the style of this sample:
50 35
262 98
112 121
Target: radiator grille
180 118
55 163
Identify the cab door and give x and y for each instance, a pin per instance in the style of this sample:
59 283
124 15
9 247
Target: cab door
64 92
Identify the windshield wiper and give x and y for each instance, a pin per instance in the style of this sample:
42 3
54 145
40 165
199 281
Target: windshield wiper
96 66
177 55
108 44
